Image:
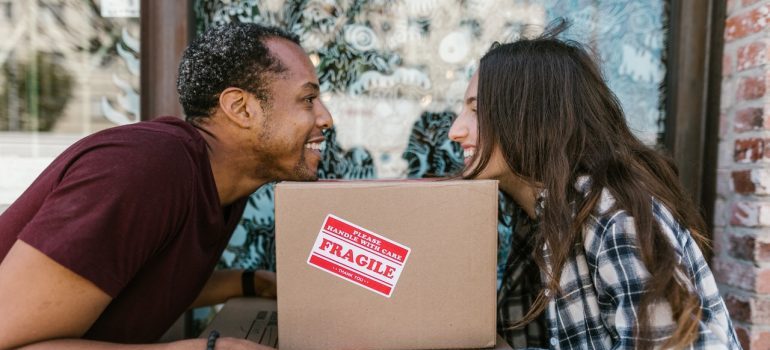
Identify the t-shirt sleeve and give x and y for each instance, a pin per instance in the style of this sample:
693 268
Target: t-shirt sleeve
116 204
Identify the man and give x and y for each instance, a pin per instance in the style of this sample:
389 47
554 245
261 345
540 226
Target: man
120 234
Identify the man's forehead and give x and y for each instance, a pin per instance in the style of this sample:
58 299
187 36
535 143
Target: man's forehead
292 57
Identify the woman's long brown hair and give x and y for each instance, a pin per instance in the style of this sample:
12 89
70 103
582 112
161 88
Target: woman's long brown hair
545 104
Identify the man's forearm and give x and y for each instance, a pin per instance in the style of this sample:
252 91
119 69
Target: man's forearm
80 344
222 285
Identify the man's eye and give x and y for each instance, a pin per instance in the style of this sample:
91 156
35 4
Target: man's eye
310 99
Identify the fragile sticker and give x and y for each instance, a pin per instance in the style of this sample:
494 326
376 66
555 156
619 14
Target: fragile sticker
358 255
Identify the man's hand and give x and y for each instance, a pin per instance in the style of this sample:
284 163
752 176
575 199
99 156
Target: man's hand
226 284
238 344
264 284
187 344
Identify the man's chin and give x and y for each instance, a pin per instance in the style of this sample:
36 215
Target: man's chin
305 174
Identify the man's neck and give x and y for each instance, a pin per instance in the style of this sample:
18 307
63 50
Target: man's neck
232 179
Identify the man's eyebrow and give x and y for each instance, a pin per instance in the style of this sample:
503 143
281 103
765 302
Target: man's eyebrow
311 86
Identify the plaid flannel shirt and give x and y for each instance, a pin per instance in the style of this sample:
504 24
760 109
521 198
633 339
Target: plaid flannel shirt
602 284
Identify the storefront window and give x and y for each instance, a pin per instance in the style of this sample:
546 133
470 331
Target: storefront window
68 68
384 64
393 75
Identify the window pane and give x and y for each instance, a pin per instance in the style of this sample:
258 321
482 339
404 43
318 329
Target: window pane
386 65
68 68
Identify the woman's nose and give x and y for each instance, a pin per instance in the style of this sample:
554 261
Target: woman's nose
458 131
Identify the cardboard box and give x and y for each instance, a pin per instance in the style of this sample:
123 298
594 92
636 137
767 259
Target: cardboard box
386 265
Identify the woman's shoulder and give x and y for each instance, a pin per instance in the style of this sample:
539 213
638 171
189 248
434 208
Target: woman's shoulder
611 225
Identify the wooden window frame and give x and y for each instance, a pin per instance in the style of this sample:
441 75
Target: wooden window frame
693 81
167 26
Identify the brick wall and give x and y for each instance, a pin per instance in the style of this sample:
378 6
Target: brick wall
742 216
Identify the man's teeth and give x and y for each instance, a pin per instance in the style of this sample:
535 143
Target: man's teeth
467 153
318 146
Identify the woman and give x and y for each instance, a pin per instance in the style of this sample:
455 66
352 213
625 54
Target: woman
611 258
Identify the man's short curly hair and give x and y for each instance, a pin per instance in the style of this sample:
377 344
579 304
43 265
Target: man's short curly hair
232 55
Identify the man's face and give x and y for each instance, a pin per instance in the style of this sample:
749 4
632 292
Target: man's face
288 144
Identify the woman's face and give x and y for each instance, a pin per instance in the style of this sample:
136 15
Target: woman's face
465 132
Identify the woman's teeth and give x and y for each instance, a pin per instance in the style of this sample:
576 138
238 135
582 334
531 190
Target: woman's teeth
467 153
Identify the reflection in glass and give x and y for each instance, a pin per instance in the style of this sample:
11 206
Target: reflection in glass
68 68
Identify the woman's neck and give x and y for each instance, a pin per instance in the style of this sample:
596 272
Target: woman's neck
522 192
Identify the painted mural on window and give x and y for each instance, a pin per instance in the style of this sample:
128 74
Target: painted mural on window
393 74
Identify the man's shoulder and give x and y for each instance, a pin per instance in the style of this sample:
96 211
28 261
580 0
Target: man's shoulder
151 150
160 138
162 129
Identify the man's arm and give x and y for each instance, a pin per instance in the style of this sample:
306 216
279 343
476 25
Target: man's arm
189 344
41 299
226 284
45 305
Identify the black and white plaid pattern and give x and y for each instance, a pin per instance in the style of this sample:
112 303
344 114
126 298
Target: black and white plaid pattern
519 287
602 284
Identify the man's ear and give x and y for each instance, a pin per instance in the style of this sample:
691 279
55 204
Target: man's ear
234 104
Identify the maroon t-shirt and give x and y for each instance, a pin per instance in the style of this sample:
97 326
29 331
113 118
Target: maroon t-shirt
135 210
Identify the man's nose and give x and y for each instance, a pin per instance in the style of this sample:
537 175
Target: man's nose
324 120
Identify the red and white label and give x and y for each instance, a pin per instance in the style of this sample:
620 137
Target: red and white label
358 255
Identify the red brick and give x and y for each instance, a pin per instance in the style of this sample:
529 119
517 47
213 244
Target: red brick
743 275
744 335
760 341
744 24
748 309
733 273
727 65
762 285
746 3
745 215
742 182
752 338
749 119
763 251
742 246
751 88
749 150
739 308
752 55
753 246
